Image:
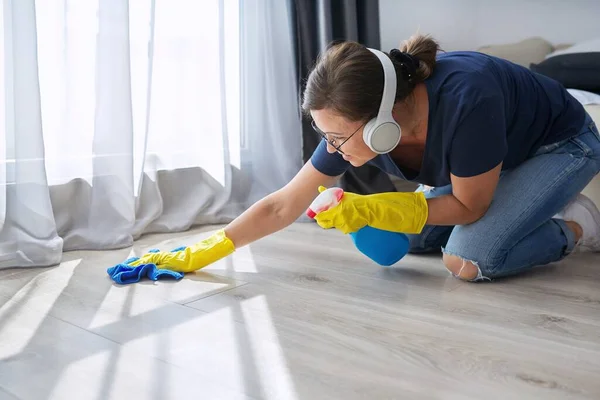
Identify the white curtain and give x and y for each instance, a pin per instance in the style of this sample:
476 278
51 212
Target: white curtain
123 117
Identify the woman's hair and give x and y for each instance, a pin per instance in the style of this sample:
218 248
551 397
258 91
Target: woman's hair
348 79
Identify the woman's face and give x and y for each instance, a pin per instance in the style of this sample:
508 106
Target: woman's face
345 135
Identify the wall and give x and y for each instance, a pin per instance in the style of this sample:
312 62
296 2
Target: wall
469 24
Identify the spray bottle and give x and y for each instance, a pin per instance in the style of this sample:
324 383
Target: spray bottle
384 247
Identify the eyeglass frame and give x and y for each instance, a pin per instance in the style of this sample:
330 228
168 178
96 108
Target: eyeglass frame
324 136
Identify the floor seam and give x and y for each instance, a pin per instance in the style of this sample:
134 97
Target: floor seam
202 297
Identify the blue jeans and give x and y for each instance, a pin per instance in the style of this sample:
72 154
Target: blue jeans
518 231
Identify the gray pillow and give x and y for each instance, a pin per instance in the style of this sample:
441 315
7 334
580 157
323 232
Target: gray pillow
573 70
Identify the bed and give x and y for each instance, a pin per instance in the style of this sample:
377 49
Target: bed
575 65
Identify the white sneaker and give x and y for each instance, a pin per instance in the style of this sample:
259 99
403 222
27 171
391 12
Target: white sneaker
583 211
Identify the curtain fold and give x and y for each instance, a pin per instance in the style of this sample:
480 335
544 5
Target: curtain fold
123 118
269 96
317 24
29 233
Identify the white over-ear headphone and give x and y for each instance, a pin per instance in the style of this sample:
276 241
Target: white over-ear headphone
383 133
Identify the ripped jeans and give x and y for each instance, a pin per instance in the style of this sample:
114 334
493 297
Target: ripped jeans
518 232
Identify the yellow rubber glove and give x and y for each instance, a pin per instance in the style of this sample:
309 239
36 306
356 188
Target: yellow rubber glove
404 212
192 258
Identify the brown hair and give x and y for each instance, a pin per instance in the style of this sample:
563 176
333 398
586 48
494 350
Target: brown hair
348 79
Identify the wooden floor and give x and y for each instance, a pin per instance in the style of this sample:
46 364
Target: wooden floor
298 315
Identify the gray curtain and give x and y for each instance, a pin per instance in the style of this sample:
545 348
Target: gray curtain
318 23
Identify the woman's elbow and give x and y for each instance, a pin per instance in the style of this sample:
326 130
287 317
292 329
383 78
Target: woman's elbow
474 215
283 211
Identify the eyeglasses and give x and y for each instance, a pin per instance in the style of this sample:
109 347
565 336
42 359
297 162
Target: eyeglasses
332 142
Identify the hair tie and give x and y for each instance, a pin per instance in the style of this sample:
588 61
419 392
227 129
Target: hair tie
408 61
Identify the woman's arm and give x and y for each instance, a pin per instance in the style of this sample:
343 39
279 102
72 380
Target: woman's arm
469 201
266 216
279 209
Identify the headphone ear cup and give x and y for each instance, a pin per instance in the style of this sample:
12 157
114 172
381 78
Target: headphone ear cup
382 138
368 132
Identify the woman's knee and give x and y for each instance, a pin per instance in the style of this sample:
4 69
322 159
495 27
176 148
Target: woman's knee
470 257
467 270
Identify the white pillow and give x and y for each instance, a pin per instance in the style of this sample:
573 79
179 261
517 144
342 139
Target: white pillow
585 97
588 46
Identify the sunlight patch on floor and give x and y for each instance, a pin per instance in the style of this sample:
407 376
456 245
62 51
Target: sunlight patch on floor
19 313
241 260
268 354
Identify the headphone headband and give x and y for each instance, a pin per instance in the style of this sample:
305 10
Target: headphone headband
389 86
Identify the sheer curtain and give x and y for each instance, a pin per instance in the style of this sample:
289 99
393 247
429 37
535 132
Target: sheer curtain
123 117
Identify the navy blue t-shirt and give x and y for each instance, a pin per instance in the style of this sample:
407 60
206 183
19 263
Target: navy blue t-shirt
482 110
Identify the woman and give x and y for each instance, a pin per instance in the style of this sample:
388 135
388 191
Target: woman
501 154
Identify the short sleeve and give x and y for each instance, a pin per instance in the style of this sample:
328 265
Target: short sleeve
479 142
328 163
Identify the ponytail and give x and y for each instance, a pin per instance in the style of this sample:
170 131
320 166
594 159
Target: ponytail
424 49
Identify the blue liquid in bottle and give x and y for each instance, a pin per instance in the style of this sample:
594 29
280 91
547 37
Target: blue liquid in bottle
384 247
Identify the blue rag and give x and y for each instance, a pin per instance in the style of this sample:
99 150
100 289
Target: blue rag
125 274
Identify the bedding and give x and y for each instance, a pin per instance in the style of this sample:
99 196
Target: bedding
573 70
524 53
587 46
585 97
594 111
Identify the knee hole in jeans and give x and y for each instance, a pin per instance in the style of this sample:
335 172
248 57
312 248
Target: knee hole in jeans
463 269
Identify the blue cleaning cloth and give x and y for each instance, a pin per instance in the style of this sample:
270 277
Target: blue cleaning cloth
124 273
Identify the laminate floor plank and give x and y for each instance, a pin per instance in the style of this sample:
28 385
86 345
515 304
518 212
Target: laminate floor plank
300 314
461 347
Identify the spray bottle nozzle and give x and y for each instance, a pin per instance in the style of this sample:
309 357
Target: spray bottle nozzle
327 199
